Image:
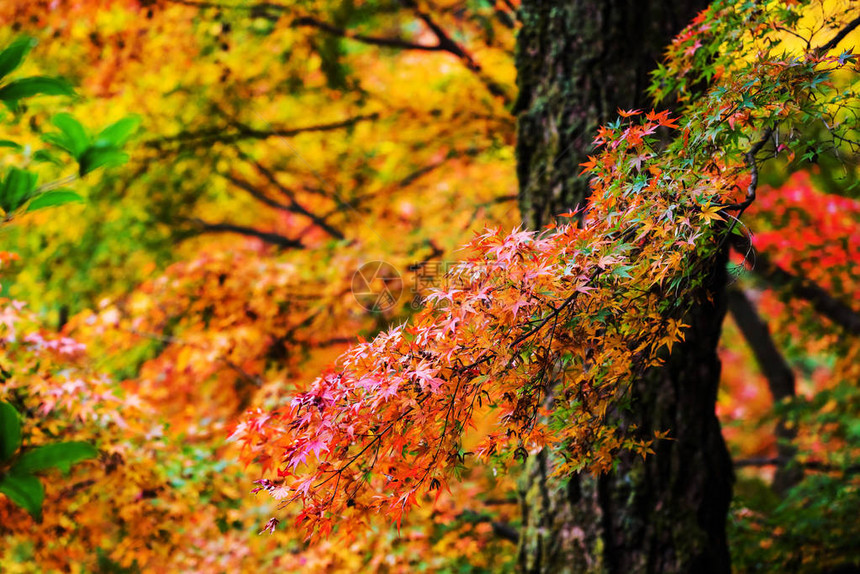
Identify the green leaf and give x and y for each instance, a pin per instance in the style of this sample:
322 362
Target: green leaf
14 54
17 188
118 132
622 271
10 143
54 198
10 431
61 455
44 156
26 491
96 157
27 87
72 137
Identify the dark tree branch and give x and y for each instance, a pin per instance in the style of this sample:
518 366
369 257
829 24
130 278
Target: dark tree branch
72 490
435 251
780 381
282 241
397 43
774 367
431 167
267 10
501 529
802 288
447 44
210 136
444 42
506 532
513 8
812 465
749 159
295 206
484 205
421 172
505 19
255 193
839 36
333 341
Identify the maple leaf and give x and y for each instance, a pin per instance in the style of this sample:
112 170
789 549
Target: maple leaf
711 213
587 166
315 446
693 48
427 378
271 526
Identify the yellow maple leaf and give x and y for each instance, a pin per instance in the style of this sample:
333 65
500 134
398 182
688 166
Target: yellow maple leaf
711 213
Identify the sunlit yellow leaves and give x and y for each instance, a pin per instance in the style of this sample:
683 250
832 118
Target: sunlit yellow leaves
711 213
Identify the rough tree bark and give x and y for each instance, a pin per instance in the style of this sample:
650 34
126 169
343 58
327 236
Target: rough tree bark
579 61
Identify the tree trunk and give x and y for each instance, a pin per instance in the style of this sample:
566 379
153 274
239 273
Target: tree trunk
578 62
664 514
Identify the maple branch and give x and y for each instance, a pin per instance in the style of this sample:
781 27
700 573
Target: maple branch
749 159
376 439
210 136
266 236
337 472
555 310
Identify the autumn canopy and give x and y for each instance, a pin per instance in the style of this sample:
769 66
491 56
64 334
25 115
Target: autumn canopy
429 286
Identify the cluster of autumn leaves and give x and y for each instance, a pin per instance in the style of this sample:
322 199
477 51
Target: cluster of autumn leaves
574 313
393 428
